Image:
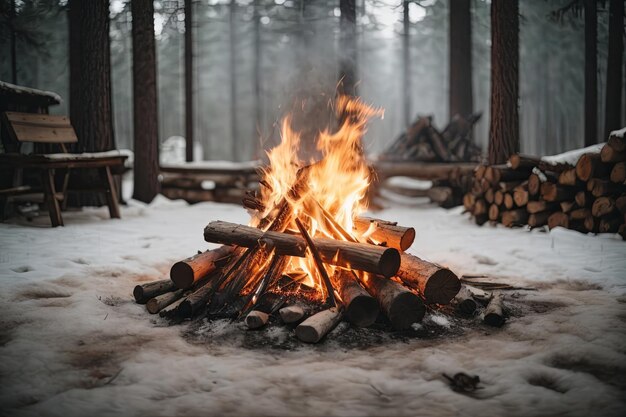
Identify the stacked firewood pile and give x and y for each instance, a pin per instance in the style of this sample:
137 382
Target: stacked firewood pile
449 192
370 279
587 194
422 141
194 184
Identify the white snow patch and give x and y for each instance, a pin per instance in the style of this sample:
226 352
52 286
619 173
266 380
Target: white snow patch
619 133
571 157
73 342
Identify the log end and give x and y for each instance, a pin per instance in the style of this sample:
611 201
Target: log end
407 308
362 311
181 275
442 287
389 262
467 307
494 319
256 319
291 314
407 239
138 294
153 306
185 309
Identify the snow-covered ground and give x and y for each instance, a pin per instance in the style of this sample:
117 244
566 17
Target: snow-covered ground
73 342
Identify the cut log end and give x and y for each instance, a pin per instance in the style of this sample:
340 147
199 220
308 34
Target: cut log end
389 262
182 275
407 239
256 319
442 287
494 312
362 311
406 309
291 314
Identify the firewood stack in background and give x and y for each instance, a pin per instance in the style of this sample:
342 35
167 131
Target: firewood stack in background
423 142
584 192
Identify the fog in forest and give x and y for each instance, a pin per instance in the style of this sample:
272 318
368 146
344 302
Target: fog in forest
256 60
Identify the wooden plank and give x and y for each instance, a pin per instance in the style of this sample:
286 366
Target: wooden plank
38 119
111 193
40 161
43 134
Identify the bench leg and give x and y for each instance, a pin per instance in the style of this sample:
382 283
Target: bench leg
111 193
50 191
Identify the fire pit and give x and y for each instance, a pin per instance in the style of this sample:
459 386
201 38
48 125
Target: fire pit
307 253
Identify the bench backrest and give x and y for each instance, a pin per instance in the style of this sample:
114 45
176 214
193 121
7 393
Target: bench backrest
40 128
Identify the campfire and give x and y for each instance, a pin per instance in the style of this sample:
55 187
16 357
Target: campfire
307 253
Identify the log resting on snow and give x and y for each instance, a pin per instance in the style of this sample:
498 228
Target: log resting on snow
359 256
313 329
402 307
158 303
464 302
184 273
390 233
437 284
494 312
145 292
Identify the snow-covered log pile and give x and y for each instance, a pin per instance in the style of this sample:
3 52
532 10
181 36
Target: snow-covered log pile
583 190
423 142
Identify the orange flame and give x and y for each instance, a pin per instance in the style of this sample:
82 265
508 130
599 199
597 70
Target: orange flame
336 184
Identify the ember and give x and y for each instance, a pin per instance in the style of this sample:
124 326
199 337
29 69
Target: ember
307 251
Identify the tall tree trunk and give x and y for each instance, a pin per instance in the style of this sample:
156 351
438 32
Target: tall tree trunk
348 50
504 123
13 45
188 81
591 72
460 27
145 109
406 63
258 127
90 83
614 65
233 84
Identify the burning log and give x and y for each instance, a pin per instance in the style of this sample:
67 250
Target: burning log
359 256
437 284
494 312
156 304
313 329
291 314
184 273
198 299
145 292
464 302
402 307
361 309
390 233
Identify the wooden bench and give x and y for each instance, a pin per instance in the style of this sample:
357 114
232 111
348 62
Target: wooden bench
55 131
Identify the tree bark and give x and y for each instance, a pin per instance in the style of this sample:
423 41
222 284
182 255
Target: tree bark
406 63
614 66
145 109
145 292
437 284
188 81
313 329
591 72
386 232
188 271
504 123
90 84
348 49
460 61
234 128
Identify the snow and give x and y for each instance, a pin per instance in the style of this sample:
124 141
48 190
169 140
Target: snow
618 133
73 342
27 90
94 155
410 183
571 157
221 165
